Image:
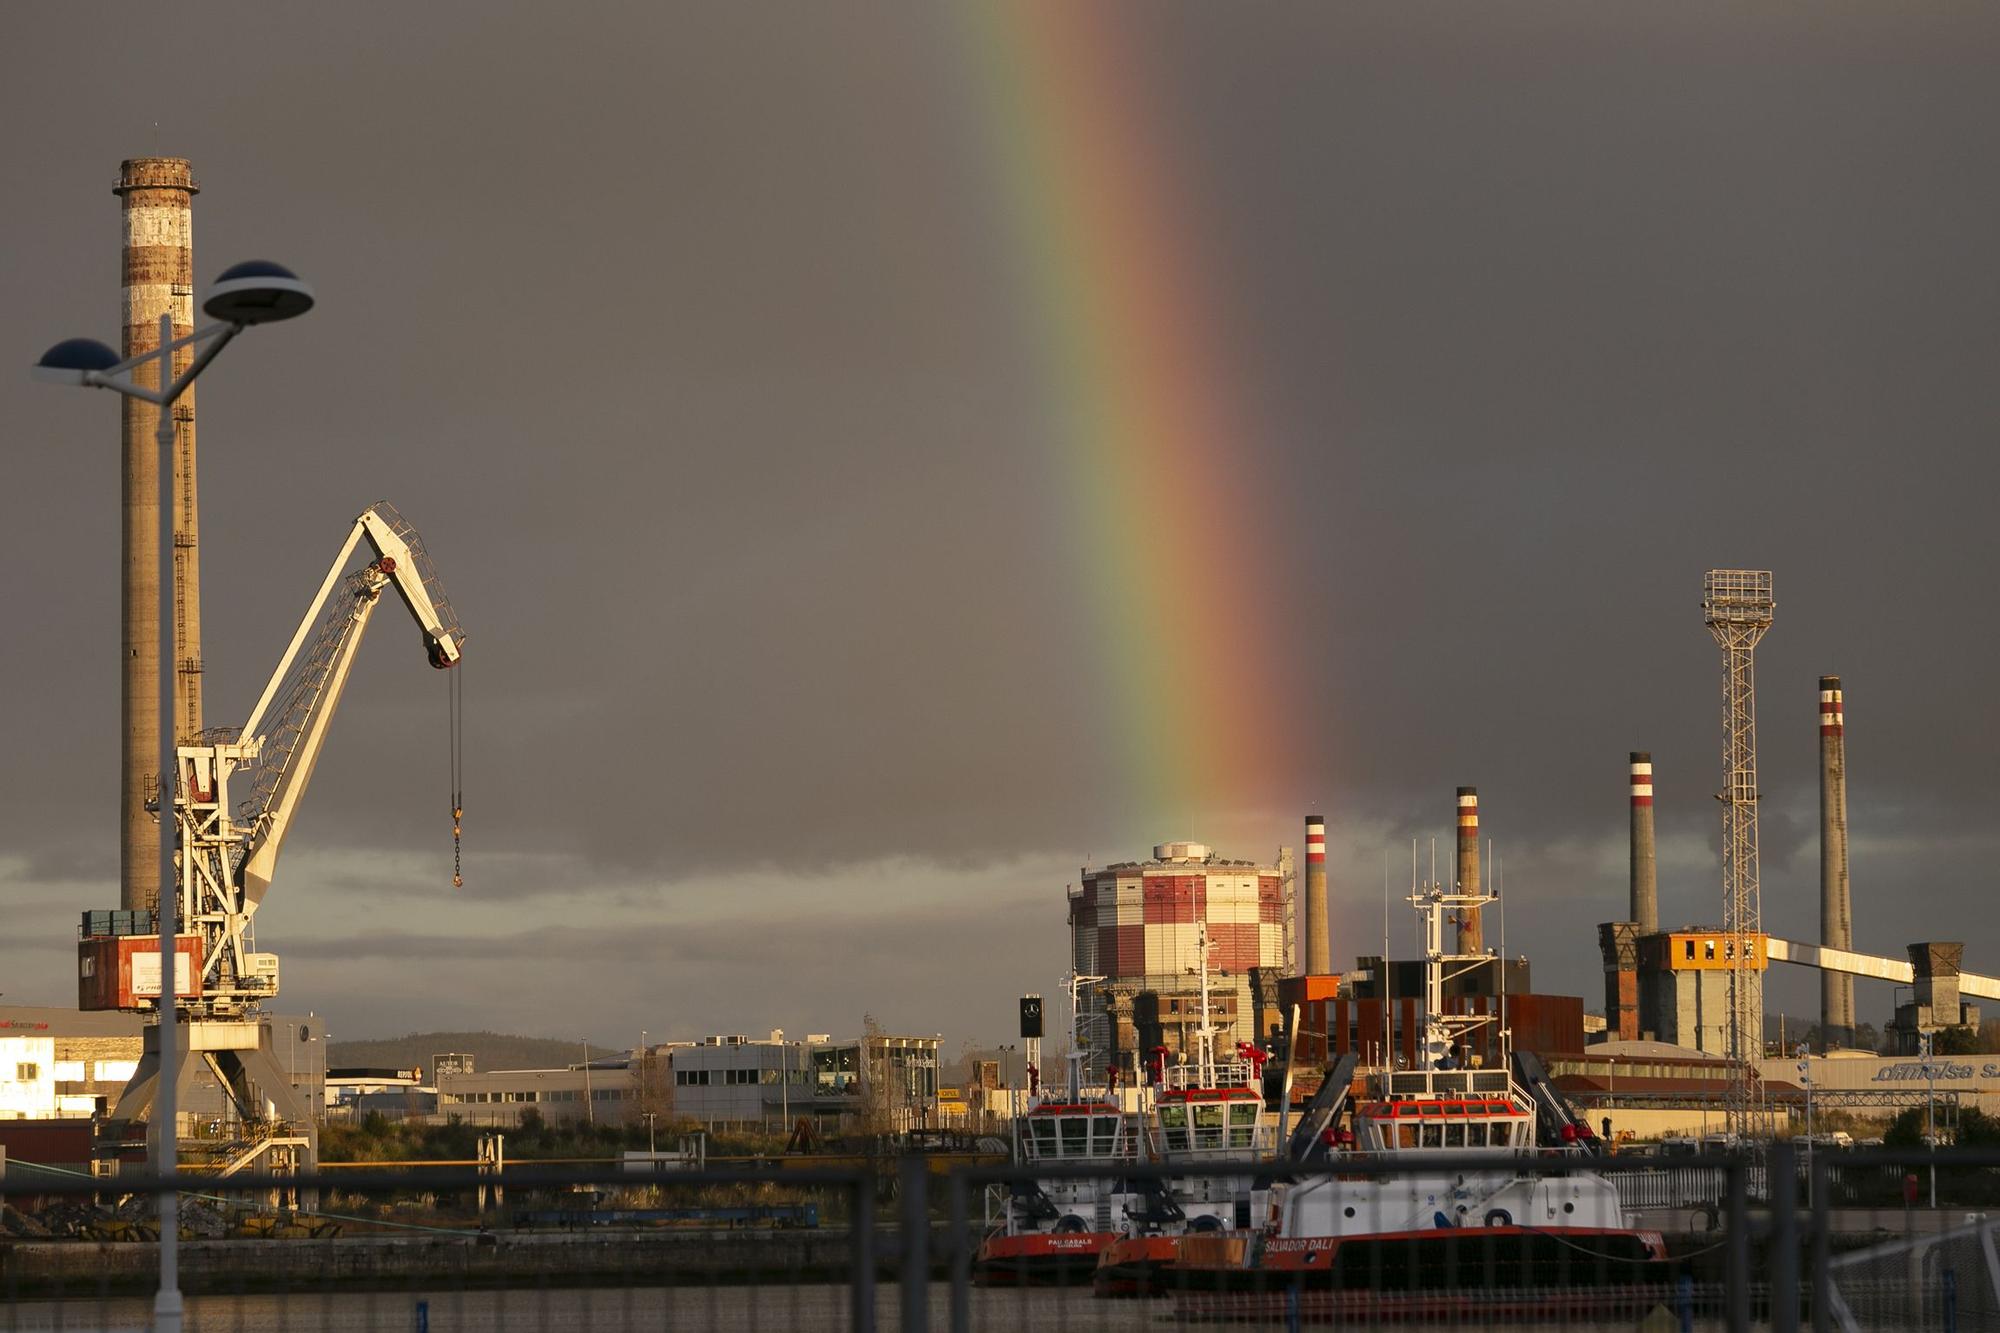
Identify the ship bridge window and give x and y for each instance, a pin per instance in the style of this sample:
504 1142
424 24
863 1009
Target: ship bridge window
1042 1137
1208 1126
1104 1134
1454 1136
1173 1128
1433 1136
1242 1124
1075 1135
1406 1136
1475 1134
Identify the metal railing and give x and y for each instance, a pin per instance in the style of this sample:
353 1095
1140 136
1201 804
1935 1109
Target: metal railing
1849 1243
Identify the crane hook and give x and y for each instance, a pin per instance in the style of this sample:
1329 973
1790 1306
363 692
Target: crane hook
455 709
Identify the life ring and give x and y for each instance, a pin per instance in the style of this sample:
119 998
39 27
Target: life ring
1499 1217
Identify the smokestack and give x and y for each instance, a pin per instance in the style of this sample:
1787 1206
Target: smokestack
157 197
1319 939
1645 861
1836 919
1471 937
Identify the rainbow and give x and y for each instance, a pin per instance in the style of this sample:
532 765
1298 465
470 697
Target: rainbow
1182 605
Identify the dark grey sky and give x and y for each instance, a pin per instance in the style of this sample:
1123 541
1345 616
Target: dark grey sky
690 337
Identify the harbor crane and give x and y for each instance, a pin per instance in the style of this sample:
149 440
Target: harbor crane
227 851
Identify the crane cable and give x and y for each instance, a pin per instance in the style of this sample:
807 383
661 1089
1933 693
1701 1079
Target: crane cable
455 714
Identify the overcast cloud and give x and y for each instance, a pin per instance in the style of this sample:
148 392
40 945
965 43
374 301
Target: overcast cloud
688 335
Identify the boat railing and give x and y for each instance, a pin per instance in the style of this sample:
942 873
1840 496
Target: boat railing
1450 1082
1227 1074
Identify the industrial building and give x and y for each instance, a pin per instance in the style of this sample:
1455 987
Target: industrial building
879 1082
1675 986
82 1059
1137 928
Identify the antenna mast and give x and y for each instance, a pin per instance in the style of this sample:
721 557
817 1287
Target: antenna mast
1737 605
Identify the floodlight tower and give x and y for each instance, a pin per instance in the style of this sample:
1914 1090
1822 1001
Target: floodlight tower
1736 604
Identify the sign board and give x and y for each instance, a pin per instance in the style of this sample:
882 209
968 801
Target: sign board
1031 1015
451 1062
146 974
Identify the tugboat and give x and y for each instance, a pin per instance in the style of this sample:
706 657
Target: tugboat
1054 1230
1483 1239
1205 1112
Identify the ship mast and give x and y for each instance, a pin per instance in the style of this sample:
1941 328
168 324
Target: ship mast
1444 1033
1076 1054
1205 1034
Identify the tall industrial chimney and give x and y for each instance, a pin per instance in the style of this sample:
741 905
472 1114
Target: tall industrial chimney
1645 861
157 194
1319 939
1836 917
1471 936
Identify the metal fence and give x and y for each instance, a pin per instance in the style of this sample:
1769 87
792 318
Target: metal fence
1853 1242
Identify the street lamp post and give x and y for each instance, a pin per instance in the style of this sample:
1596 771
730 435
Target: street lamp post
257 292
1805 1081
1930 1109
1007 1073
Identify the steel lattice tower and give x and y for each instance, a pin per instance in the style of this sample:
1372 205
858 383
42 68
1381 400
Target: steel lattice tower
1736 605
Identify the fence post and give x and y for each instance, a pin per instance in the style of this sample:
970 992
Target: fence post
1737 1273
861 1244
1822 1245
961 1253
913 1273
1781 1170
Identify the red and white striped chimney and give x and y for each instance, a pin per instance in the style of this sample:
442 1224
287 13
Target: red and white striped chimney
1836 918
1471 935
1319 939
1645 859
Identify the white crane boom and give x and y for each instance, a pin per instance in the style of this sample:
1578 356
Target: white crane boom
308 689
229 855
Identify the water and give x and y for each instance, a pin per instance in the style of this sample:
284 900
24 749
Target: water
735 1309
729 1309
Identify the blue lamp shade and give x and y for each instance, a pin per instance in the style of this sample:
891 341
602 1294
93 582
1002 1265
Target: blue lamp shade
257 292
73 360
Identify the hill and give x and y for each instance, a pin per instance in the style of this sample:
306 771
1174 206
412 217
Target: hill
489 1050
